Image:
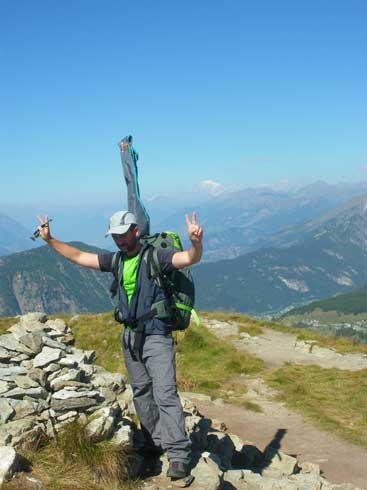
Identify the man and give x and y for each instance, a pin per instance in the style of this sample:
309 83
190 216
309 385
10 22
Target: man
151 366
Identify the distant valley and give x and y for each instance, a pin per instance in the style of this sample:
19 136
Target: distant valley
332 259
341 315
235 222
310 260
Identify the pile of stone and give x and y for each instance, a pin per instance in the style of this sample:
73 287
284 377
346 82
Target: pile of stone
46 383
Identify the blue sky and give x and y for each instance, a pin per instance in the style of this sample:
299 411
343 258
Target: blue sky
239 92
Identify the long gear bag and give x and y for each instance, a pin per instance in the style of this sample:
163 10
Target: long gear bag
178 285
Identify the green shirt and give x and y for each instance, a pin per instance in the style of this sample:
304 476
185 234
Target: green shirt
128 281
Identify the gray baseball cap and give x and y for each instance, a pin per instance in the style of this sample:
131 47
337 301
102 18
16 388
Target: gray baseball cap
120 223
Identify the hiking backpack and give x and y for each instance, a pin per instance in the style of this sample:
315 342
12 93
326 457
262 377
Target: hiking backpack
178 285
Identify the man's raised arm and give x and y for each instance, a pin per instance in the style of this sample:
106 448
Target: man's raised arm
85 259
193 254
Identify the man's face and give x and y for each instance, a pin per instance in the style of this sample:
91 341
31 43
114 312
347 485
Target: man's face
127 242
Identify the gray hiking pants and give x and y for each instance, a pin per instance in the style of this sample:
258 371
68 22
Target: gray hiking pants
135 205
153 381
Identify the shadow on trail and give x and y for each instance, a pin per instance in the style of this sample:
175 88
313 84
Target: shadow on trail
251 458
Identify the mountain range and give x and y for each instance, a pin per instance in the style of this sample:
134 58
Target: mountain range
235 222
330 258
42 280
14 237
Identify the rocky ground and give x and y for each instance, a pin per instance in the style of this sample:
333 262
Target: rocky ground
339 460
45 383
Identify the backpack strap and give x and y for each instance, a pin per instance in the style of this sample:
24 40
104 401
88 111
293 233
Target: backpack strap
163 308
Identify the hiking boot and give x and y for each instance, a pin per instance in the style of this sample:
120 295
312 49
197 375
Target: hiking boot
178 470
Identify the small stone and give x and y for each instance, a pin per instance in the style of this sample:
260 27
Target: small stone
46 356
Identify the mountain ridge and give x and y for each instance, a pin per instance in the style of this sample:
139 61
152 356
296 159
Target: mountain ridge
235 222
332 259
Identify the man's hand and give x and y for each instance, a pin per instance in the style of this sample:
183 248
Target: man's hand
194 231
44 228
86 259
194 252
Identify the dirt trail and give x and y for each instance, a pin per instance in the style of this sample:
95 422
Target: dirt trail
340 461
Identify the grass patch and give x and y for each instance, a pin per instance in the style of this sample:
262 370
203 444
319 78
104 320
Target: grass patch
229 316
6 322
208 365
73 462
336 400
101 333
251 328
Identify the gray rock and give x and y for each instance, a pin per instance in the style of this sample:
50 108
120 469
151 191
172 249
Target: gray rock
23 408
207 474
67 416
6 354
53 368
307 467
54 344
58 382
39 375
10 371
72 403
6 410
58 326
67 394
125 400
9 460
19 358
102 378
5 437
18 330
254 481
34 317
9 342
25 382
5 386
276 460
82 356
32 392
102 425
88 369
233 476
46 356
69 361
15 428
123 435
109 396
33 341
